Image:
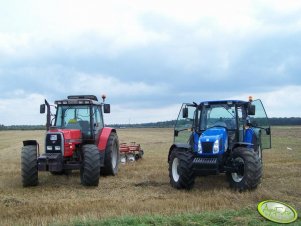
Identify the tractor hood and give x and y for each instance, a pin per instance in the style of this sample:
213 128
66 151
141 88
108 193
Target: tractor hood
213 141
213 133
70 135
62 141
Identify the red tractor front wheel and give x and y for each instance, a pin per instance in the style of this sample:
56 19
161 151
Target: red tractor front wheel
89 171
29 166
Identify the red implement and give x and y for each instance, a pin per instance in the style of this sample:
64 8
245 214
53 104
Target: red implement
130 152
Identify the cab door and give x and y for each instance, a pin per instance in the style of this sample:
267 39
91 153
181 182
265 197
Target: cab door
98 122
261 121
184 124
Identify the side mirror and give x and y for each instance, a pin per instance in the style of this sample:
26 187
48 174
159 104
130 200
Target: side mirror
176 133
185 112
251 109
268 131
106 108
42 108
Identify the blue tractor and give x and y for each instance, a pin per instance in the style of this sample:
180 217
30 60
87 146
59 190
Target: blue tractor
214 137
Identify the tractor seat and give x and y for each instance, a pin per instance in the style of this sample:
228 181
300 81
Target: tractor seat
73 124
250 137
220 123
85 128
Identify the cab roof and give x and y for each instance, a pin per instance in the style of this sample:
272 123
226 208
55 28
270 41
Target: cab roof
216 102
79 100
91 97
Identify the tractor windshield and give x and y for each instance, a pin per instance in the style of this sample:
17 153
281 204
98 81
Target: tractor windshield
74 117
218 115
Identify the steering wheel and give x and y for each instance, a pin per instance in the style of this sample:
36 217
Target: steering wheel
220 122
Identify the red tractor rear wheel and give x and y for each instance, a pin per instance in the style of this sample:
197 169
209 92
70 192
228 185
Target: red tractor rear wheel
112 156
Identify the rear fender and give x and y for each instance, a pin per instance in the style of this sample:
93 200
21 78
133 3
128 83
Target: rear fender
177 145
243 144
103 138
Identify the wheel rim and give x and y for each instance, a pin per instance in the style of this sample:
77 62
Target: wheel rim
175 174
114 156
238 176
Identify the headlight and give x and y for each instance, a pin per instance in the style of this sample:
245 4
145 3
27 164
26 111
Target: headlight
57 148
216 146
200 150
49 148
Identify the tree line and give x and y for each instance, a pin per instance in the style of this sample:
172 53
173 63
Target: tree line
23 127
292 121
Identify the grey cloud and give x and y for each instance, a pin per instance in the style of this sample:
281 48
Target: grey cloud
187 66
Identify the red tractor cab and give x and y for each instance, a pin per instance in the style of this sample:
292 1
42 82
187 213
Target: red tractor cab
78 140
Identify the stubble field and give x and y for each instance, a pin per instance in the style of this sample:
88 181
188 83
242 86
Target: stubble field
142 187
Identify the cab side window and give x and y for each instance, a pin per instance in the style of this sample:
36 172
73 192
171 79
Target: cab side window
98 120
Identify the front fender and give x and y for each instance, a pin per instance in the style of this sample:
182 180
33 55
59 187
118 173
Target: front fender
177 145
32 142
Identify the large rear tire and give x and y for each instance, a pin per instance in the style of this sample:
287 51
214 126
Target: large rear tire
89 171
259 153
29 166
249 169
112 156
181 173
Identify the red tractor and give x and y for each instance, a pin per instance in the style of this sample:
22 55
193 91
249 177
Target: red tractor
78 140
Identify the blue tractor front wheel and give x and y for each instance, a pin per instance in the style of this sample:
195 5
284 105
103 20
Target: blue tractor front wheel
181 169
248 171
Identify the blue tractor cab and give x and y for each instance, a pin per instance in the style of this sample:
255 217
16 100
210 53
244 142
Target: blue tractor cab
225 136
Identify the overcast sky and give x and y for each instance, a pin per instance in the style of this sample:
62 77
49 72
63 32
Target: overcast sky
148 56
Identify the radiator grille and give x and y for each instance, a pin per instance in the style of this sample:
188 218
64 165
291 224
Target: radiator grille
207 147
54 140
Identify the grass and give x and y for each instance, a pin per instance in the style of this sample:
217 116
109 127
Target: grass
141 193
245 216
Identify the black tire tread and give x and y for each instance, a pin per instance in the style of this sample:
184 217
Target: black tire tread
91 165
185 169
252 169
29 166
108 168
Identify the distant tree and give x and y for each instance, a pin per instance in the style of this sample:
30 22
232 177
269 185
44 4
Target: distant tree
170 124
